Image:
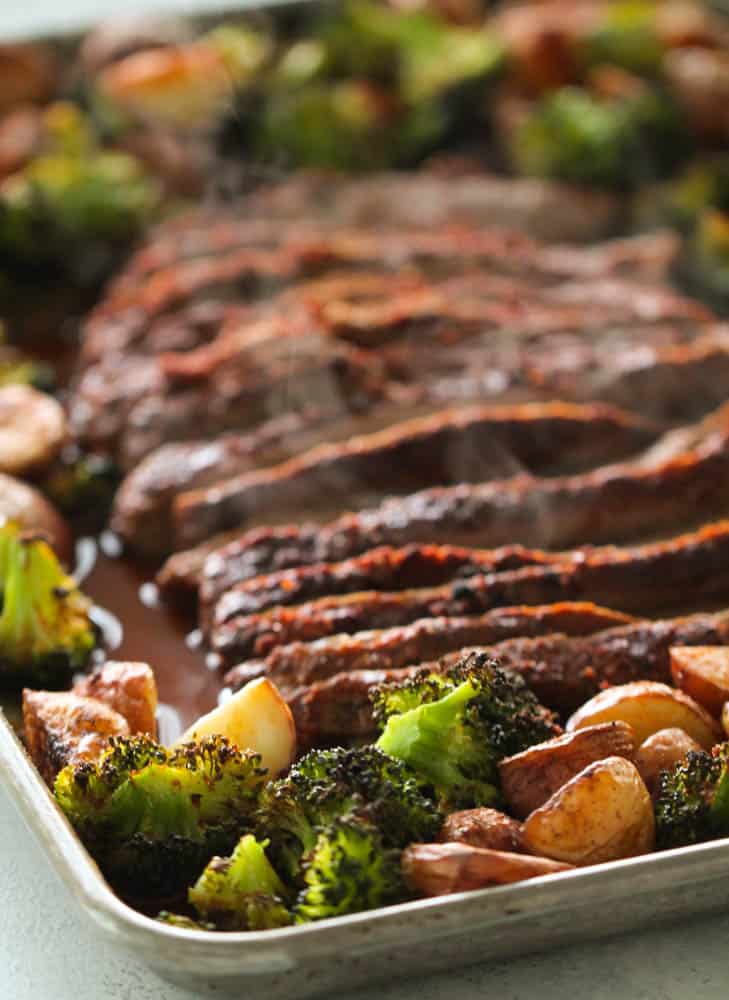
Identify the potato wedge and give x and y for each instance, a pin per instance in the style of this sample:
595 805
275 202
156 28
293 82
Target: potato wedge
61 728
529 778
129 688
660 752
255 718
487 828
725 719
648 707
32 429
440 869
602 814
703 673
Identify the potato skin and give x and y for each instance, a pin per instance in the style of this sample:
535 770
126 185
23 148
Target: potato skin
486 828
660 752
703 673
440 869
603 814
529 778
648 707
129 688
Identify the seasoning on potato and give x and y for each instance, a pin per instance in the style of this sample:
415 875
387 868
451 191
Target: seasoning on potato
648 707
482 827
603 814
530 777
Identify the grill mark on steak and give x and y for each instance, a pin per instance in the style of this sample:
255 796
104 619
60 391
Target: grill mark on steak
300 663
449 447
562 671
638 579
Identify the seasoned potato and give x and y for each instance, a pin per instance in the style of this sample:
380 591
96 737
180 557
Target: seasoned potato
29 508
703 673
63 728
660 752
255 718
482 827
602 814
32 429
129 688
648 707
439 869
725 719
530 777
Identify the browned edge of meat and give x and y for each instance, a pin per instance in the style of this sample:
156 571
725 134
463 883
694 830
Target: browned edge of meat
635 579
302 663
562 671
458 445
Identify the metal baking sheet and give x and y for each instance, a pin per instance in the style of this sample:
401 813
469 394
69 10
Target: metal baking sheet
381 945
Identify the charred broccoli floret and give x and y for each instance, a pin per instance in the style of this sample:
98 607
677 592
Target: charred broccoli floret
350 869
574 136
46 633
82 486
152 818
452 729
326 784
693 799
242 892
626 35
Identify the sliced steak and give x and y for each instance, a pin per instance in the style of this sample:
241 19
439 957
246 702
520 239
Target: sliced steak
450 447
563 671
428 639
642 578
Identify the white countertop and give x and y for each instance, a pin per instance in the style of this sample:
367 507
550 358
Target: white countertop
48 951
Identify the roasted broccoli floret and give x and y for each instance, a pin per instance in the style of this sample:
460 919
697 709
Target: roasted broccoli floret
242 892
326 784
350 869
574 136
452 729
152 818
46 633
693 799
82 485
626 35
187 923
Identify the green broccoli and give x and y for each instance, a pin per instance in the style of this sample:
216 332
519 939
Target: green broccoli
574 136
626 35
349 869
46 632
452 729
326 784
242 892
152 818
693 799
82 485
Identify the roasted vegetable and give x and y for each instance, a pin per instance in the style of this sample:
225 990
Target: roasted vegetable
349 869
45 630
626 35
242 892
82 485
153 818
327 784
693 799
453 728
574 136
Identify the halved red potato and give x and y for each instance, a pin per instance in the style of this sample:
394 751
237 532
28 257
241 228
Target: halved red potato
255 718
648 707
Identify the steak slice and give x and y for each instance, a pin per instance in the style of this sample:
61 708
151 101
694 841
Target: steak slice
563 671
302 663
453 446
638 579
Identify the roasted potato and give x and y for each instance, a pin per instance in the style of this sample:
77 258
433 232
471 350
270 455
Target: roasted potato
725 719
129 688
486 828
703 673
255 718
32 429
648 707
530 777
63 728
602 814
660 752
440 869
